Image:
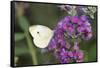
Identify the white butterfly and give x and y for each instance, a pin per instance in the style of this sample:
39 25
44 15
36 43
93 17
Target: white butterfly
41 35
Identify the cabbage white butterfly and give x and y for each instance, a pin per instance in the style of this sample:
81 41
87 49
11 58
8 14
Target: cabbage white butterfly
41 35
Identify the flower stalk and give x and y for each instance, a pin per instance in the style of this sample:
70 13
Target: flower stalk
31 49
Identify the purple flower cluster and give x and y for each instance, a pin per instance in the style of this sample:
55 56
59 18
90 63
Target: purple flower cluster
76 26
73 55
72 28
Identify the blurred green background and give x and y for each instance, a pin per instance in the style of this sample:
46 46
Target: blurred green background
28 14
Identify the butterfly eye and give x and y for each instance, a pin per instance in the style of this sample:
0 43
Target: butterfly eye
37 32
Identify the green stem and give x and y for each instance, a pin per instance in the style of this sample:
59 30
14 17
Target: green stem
31 49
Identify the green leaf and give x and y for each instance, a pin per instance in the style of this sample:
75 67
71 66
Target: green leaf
85 56
92 53
19 36
23 23
21 50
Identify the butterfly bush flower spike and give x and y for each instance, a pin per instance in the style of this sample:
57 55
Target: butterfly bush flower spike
69 28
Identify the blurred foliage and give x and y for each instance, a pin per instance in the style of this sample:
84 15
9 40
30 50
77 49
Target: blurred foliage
45 14
19 36
23 23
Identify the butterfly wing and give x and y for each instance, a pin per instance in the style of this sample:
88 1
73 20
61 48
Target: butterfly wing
41 35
